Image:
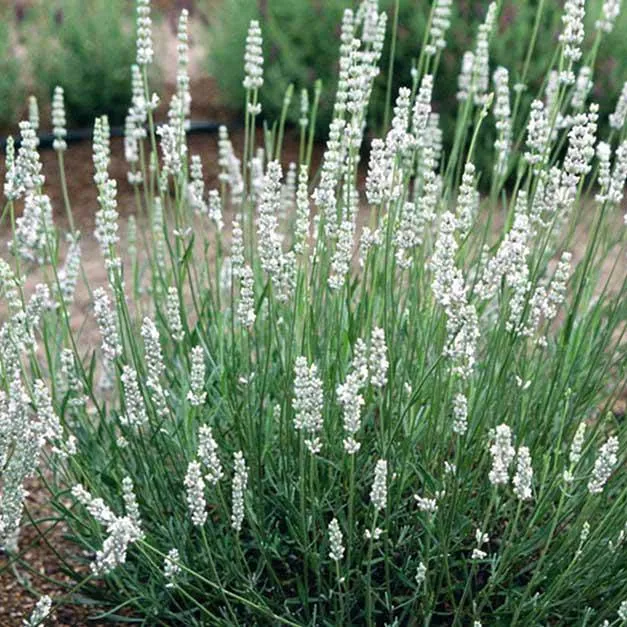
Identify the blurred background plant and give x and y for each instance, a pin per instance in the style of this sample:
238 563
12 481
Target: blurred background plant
301 45
11 90
87 48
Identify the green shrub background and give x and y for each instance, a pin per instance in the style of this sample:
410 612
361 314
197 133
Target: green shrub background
89 47
11 91
301 44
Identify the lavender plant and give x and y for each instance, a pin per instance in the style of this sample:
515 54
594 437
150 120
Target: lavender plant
380 403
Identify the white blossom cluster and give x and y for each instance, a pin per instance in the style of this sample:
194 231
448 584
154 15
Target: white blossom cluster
10 288
121 530
524 474
23 173
572 35
426 505
34 233
379 491
358 68
72 383
107 216
604 465
464 79
182 74
502 115
215 209
240 481
33 114
503 454
460 413
440 23
197 395
576 446
208 455
450 291
40 612
481 538
230 166
22 436
583 85
196 186
253 57
135 415
609 12
421 574
107 325
378 363
155 366
145 51
302 225
618 117
611 179
336 547
173 145
467 200
195 494
173 315
158 236
308 403
343 254
68 274
58 120
538 137
246 306
49 423
350 398
171 567
481 61
269 241
369 366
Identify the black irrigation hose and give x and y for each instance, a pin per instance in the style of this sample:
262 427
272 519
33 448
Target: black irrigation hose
82 134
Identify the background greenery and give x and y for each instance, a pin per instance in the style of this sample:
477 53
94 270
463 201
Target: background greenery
301 43
89 47
11 93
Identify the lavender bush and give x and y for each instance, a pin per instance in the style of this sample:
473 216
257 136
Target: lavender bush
317 401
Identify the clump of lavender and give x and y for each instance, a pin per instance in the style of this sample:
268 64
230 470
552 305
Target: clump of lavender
363 313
